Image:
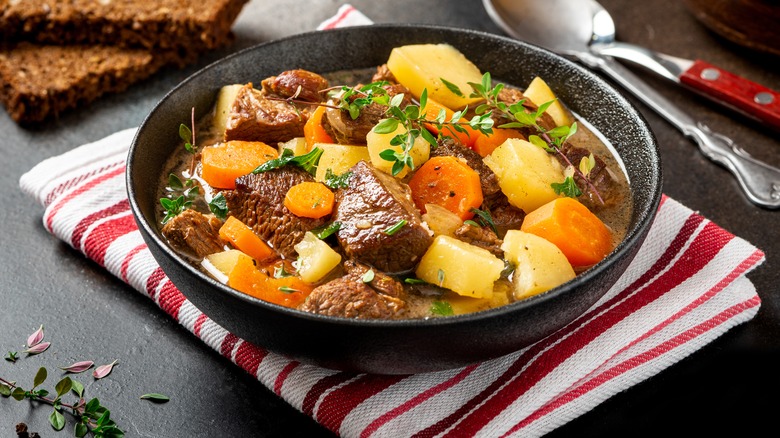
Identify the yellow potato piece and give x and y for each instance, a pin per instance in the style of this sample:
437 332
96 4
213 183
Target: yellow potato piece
539 92
221 264
422 66
225 99
339 158
297 145
421 150
539 264
462 305
524 173
315 258
463 268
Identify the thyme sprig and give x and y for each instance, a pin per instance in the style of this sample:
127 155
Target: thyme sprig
187 191
550 140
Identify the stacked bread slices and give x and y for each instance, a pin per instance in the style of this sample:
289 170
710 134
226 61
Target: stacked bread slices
58 55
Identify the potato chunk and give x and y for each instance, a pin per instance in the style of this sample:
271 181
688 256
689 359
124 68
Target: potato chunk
221 264
421 150
227 95
422 66
315 258
339 158
539 264
539 92
524 173
463 268
297 145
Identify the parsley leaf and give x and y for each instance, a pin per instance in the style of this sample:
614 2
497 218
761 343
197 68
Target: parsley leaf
567 188
307 162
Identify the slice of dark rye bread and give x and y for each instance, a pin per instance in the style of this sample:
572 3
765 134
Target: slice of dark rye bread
121 42
170 25
40 81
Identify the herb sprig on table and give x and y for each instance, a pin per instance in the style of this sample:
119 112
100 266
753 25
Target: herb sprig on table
91 417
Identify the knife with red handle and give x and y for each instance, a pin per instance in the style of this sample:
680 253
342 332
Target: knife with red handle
724 87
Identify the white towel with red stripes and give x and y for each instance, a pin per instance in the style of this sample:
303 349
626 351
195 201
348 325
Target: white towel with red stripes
685 287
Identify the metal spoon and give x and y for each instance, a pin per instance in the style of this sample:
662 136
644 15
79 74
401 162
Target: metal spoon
579 29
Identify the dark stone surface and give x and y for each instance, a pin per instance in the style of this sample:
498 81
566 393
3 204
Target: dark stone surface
729 385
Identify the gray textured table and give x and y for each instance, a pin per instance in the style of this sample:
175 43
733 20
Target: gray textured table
730 384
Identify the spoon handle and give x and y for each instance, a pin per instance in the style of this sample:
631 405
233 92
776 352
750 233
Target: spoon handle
759 181
744 95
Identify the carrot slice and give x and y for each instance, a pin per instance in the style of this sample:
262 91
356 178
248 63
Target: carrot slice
576 231
225 162
309 199
485 144
242 237
313 130
448 182
288 291
432 110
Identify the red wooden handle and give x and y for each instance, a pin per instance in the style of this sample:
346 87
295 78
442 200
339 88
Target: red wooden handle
751 98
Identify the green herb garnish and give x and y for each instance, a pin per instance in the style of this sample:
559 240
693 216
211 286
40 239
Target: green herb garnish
441 308
173 207
287 289
324 232
307 162
485 219
394 228
567 188
337 181
218 206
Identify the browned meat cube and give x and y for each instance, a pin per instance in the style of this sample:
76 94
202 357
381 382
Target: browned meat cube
194 233
255 117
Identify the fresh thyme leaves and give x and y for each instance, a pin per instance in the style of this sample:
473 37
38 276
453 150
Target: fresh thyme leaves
587 164
287 289
325 231
12 356
394 228
452 87
485 219
354 99
280 272
307 162
441 308
414 281
368 277
337 181
567 188
218 206
188 135
187 189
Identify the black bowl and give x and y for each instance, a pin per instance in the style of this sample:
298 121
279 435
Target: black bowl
405 346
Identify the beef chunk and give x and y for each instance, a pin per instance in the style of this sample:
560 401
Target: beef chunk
381 281
194 233
288 83
350 297
254 117
346 130
505 215
482 237
487 178
258 201
374 202
599 176
383 73
511 95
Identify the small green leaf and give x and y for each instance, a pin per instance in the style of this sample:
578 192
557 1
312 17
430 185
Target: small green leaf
185 133
325 231
537 141
12 356
80 430
414 281
155 397
485 219
368 277
337 181
423 100
452 87
77 388
386 126
63 386
287 289
175 182
398 166
92 405
5 390
587 164
394 228
218 206
18 393
57 420
567 188
441 308
104 418
40 377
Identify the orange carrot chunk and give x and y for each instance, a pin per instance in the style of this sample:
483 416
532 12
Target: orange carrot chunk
288 291
448 182
576 231
485 144
313 130
242 237
432 109
225 162
309 199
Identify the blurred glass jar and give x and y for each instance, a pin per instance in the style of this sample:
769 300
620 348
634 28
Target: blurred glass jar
751 23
